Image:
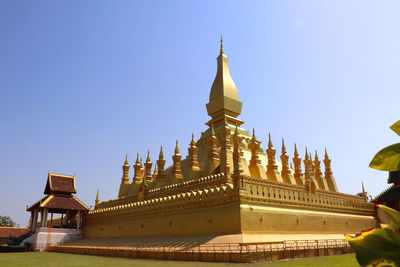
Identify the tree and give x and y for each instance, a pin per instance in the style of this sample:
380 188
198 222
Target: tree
360 194
6 221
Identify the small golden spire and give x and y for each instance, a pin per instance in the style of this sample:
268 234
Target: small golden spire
176 168
148 156
364 194
269 141
283 147
192 156
226 122
306 156
316 155
254 134
161 155
160 162
176 148
155 172
222 46
193 142
291 165
212 130
97 198
137 159
125 171
297 167
326 154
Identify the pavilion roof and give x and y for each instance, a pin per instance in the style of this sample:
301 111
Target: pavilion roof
60 183
59 203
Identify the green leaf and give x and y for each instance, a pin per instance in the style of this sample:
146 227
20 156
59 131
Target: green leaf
379 244
396 127
388 159
376 244
393 215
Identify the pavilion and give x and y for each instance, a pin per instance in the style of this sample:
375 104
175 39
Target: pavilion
59 199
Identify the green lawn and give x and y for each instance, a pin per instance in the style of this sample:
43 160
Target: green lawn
44 259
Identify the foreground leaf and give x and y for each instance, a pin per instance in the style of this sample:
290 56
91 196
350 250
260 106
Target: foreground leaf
379 244
396 127
376 244
388 159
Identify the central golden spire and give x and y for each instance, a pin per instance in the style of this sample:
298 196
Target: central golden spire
224 100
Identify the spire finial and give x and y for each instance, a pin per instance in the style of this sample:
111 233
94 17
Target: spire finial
283 147
212 130
306 156
126 160
226 125
296 154
148 156
254 134
269 141
137 158
97 198
193 142
316 155
161 155
326 154
222 46
176 148
363 193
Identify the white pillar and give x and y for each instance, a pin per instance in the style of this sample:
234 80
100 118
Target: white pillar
78 223
45 212
34 220
31 220
41 217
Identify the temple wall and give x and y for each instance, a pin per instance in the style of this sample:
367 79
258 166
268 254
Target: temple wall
273 193
208 221
205 211
204 207
274 220
276 208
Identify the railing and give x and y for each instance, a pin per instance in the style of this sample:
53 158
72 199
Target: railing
230 252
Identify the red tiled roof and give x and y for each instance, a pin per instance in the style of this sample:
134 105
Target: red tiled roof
59 202
6 232
60 184
67 203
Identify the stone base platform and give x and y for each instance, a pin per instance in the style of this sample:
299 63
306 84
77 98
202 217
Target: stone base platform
43 237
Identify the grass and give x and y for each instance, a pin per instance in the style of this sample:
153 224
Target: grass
44 259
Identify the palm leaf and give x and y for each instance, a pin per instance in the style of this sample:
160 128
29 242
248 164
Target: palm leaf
388 159
396 127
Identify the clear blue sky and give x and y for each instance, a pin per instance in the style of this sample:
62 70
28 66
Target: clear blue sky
84 82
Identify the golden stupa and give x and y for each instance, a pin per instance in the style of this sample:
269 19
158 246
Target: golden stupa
228 187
